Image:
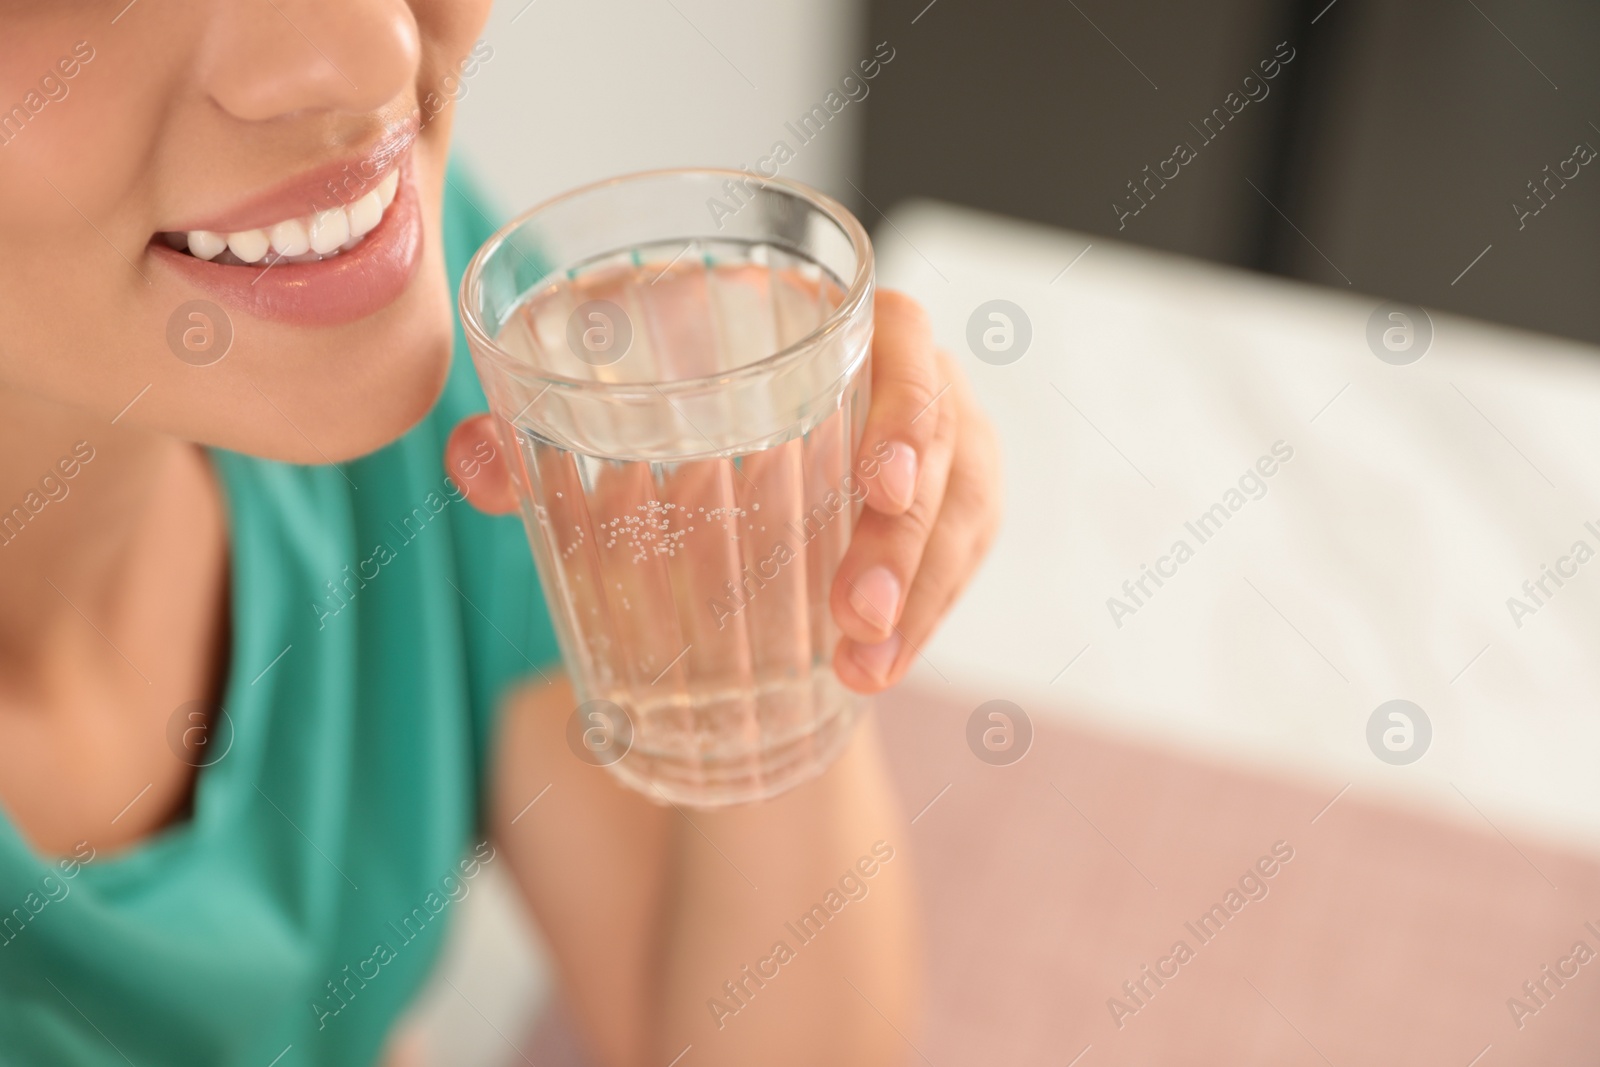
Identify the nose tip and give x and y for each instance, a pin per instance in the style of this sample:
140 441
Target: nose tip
264 61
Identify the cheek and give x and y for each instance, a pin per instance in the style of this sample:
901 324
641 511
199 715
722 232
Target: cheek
96 146
74 192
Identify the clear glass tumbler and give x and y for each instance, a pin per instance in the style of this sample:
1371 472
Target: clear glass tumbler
680 362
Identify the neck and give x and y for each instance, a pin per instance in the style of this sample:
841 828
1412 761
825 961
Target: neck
113 614
110 536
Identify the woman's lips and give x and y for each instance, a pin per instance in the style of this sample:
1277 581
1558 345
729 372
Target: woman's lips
347 287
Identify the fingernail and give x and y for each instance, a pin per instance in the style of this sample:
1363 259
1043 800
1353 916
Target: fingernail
875 596
898 474
877 659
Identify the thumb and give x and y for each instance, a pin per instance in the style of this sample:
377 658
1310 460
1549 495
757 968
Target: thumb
476 461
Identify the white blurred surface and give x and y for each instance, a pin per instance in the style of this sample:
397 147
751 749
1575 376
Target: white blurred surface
483 1000
1381 557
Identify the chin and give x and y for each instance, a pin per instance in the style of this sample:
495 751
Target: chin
415 392
365 392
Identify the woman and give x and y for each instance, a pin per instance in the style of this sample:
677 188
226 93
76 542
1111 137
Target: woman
248 761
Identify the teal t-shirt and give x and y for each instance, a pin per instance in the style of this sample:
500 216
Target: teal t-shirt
377 619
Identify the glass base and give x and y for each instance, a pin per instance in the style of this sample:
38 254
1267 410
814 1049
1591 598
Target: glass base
713 782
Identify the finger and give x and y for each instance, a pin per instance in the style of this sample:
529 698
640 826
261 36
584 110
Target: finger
967 525
886 551
905 385
475 460
870 667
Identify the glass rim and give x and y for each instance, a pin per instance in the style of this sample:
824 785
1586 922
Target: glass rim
855 295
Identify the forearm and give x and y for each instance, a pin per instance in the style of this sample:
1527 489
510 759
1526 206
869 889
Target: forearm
592 861
649 910
791 934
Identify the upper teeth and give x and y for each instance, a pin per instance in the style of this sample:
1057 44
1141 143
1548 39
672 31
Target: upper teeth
309 237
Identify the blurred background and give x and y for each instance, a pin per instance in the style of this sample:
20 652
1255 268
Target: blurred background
1402 139
1204 214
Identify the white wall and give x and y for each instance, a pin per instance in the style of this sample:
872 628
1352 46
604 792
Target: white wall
579 90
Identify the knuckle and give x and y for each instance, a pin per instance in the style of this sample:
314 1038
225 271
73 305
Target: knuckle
969 497
918 413
977 502
916 523
937 592
949 424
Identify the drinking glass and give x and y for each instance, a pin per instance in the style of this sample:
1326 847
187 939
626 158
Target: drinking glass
679 361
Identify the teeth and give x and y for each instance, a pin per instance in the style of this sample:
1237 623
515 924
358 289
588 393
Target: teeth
205 244
365 214
300 240
329 230
249 245
290 238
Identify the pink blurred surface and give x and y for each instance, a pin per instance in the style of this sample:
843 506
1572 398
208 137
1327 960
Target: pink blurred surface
1389 937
